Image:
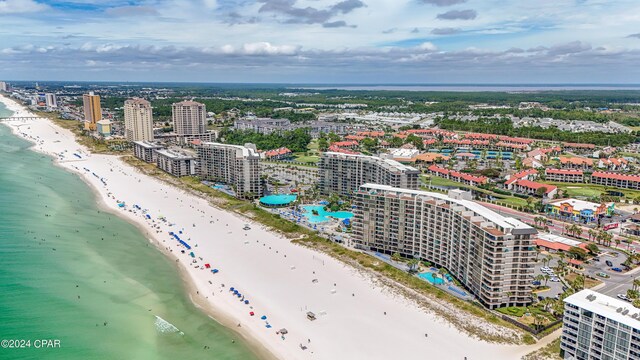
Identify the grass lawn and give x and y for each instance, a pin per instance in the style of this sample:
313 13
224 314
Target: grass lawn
313 145
589 190
588 283
307 159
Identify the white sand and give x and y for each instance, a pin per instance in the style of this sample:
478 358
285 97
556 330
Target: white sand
275 275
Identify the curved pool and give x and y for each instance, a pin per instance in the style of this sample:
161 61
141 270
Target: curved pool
324 215
278 200
430 278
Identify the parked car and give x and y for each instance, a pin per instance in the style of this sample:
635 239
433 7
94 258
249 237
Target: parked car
609 263
603 275
596 259
545 268
616 269
536 283
623 297
555 279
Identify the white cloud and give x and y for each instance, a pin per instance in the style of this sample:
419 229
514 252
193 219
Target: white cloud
20 6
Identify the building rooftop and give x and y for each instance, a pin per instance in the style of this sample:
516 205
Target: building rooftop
559 240
506 223
247 152
176 154
389 163
578 205
612 308
148 144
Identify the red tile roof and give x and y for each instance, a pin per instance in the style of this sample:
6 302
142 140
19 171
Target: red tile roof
578 145
535 185
564 172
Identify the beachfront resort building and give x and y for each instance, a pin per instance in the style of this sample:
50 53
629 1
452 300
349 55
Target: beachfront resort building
177 162
235 165
104 127
491 255
596 326
189 118
146 150
50 100
4 86
92 111
342 173
138 120
190 122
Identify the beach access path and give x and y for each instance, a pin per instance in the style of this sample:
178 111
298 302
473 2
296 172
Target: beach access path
356 318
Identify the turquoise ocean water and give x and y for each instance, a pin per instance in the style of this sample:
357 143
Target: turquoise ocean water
73 273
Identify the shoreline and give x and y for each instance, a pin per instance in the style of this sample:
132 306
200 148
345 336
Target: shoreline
190 288
346 327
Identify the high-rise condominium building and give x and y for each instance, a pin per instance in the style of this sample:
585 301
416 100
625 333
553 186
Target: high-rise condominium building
138 120
343 173
4 86
597 326
491 255
50 100
189 118
231 164
92 111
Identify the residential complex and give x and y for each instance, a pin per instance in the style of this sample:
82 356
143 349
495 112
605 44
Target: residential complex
342 173
177 162
564 175
189 118
138 120
145 150
596 326
4 86
269 125
616 180
491 255
235 165
92 111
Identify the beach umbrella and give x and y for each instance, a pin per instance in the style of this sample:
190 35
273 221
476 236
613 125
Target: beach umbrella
214 271
207 266
246 302
251 313
231 289
263 317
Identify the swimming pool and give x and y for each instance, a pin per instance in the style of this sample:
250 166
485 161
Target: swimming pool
323 216
430 278
278 200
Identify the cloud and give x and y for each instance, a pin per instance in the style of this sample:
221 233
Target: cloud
347 6
427 46
21 6
335 24
124 11
444 2
415 31
458 15
564 62
637 36
445 31
309 15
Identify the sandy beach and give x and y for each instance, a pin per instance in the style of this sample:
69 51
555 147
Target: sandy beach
356 317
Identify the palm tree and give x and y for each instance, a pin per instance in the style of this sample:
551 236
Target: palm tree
577 231
617 241
442 271
413 264
546 278
578 282
592 234
636 284
539 278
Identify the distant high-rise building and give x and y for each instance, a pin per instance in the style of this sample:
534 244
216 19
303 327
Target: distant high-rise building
92 110
189 118
138 120
233 165
4 86
596 326
51 100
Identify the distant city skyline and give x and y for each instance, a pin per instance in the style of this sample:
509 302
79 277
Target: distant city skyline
322 41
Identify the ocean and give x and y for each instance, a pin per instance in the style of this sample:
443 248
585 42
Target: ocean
72 273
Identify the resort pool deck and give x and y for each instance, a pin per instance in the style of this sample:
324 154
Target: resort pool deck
277 200
323 216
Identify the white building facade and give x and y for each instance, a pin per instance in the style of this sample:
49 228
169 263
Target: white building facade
138 120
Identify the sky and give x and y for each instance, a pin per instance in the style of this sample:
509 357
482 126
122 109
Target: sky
322 41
